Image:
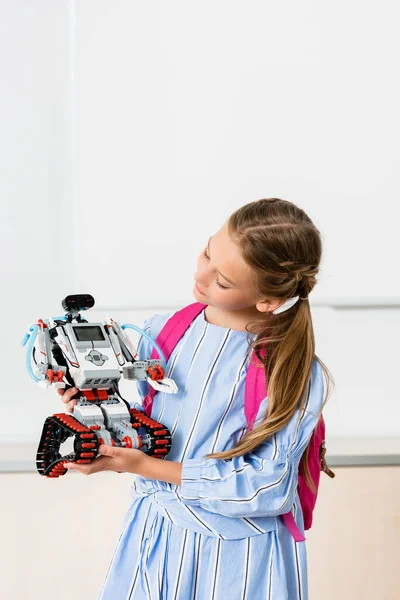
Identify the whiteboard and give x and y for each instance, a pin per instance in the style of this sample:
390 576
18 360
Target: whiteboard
190 110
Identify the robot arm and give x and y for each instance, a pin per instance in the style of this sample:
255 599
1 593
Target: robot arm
47 371
133 367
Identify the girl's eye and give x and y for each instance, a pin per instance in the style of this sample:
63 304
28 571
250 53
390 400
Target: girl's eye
217 282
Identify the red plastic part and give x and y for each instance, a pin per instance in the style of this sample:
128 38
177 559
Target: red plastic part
127 441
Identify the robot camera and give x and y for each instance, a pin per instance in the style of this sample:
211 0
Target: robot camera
78 302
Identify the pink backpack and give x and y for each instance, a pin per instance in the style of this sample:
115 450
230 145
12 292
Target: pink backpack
255 392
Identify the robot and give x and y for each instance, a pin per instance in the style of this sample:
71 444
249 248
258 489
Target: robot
67 351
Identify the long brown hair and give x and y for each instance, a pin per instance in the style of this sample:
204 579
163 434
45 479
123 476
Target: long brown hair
283 248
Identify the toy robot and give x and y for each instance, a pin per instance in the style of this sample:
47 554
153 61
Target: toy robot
70 352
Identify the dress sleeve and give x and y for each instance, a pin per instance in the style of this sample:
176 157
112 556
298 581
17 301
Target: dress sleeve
262 482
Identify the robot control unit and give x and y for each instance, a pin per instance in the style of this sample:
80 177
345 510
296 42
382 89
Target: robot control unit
67 351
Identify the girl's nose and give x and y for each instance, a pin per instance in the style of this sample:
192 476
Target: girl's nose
203 276
201 282
200 289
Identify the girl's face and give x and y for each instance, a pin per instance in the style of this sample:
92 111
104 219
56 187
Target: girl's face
223 279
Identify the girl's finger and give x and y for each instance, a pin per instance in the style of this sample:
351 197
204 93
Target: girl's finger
70 406
67 396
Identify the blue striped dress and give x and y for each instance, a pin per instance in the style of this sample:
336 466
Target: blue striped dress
217 536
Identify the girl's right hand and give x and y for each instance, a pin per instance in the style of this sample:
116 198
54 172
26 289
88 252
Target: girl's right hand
66 397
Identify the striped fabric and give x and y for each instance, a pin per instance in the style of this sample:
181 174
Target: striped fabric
218 536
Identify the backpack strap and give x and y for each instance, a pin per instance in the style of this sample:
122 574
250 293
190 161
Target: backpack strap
168 338
255 392
255 389
291 524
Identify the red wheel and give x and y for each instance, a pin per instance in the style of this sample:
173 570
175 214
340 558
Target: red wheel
127 441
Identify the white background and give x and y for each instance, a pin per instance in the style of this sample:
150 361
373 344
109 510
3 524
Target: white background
129 132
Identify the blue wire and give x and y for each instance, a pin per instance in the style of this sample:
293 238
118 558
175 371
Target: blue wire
152 342
29 351
26 338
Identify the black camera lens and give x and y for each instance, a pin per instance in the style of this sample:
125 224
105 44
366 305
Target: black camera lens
78 302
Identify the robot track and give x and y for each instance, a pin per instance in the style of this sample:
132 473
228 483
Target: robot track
59 427
160 437
56 430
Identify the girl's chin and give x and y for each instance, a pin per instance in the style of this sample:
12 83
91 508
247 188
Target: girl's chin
201 297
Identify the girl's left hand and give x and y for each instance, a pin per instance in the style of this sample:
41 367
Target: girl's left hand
114 458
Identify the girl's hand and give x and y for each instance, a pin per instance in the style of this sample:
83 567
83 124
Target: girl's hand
114 458
66 397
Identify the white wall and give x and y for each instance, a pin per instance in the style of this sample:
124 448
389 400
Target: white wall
130 131
188 110
36 222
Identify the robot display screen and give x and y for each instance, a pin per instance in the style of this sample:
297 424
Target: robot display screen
89 334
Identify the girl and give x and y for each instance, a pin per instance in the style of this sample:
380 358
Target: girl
203 523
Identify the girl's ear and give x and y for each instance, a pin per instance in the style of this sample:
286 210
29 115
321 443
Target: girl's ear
268 305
